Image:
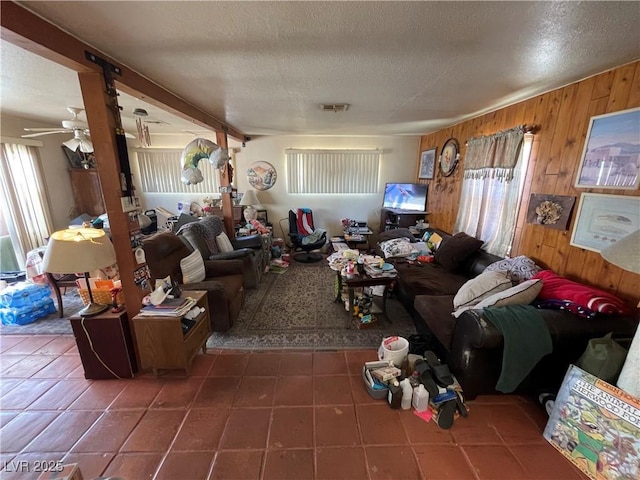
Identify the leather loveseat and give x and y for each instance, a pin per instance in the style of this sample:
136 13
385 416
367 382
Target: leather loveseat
470 344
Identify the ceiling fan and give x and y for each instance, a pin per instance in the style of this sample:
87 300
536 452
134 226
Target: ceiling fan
75 126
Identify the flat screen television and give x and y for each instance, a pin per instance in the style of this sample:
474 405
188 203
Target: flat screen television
405 196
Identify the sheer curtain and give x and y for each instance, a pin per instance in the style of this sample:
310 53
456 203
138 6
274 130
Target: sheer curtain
494 171
22 190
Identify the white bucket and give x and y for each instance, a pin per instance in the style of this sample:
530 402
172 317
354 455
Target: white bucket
394 349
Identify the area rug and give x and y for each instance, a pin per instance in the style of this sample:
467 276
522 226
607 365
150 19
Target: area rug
295 309
52 324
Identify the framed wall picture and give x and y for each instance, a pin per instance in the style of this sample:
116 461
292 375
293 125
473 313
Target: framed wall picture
611 154
449 156
551 211
427 164
604 219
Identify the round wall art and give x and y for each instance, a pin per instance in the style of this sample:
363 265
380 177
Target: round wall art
262 175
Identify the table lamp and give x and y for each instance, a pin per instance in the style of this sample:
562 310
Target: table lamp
80 250
249 199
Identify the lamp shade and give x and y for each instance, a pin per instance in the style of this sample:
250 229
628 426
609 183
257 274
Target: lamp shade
250 198
79 141
78 250
625 253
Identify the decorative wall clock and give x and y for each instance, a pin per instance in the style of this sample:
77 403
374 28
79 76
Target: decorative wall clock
262 175
449 156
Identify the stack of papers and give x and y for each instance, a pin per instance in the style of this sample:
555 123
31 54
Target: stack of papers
169 308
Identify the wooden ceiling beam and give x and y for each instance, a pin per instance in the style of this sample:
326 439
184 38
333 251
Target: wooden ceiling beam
23 28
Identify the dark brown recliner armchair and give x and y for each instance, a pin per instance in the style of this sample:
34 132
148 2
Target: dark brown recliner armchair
203 236
223 281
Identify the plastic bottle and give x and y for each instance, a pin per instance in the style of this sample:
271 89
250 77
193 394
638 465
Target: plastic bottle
420 398
407 392
394 397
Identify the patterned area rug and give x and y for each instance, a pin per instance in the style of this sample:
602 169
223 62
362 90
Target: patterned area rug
52 324
295 309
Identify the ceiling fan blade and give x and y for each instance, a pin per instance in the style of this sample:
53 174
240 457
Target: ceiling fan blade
54 129
40 134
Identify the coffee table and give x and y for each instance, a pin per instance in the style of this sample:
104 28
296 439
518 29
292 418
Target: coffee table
359 281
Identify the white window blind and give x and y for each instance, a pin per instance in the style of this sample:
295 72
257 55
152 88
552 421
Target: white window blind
333 171
160 171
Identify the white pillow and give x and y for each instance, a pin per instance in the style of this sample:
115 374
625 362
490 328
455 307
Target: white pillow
397 247
481 287
192 267
224 244
522 294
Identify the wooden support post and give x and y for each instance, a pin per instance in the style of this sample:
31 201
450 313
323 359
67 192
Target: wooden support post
102 124
227 205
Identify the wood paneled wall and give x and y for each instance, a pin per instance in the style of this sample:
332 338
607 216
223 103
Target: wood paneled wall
563 117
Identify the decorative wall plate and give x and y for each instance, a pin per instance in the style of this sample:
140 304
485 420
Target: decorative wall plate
262 175
449 156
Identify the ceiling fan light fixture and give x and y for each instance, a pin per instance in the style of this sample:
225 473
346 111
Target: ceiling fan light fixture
140 112
76 143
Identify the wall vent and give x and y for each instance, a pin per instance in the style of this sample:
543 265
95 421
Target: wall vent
334 107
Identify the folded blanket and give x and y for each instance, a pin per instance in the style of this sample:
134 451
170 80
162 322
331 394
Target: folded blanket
314 237
526 341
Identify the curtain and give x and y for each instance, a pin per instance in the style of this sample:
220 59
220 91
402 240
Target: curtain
494 171
23 191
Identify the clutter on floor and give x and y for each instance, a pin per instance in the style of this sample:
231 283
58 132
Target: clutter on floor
419 381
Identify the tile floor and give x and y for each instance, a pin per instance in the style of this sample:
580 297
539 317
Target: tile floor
272 415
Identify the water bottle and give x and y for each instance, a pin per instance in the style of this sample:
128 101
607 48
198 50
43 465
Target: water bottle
420 398
407 392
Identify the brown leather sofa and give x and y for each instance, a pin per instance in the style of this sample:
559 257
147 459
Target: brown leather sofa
471 345
223 283
202 235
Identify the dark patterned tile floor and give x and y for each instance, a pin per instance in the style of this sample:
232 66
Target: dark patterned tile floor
251 415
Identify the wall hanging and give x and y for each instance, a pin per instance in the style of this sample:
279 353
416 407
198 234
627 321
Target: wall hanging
551 211
449 156
611 155
427 163
262 175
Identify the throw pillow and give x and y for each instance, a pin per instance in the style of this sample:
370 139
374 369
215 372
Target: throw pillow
224 244
521 294
556 287
481 287
519 269
453 251
398 247
192 267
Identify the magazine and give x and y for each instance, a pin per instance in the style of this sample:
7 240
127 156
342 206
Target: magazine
596 426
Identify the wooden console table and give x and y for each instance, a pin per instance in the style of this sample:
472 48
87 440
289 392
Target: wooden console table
162 344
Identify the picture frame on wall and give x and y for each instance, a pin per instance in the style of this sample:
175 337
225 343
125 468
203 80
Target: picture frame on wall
611 153
262 217
603 219
427 164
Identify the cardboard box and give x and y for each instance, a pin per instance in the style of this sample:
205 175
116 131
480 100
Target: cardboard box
596 426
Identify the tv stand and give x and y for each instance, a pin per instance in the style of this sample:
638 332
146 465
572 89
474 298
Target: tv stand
391 218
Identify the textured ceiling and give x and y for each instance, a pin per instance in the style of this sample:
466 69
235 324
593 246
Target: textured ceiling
406 68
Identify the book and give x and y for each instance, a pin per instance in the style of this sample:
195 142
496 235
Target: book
596 426
168 311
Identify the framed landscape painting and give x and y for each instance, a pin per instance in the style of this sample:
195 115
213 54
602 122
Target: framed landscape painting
604 219
611 154
427 164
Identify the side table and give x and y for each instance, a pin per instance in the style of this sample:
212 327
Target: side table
162 343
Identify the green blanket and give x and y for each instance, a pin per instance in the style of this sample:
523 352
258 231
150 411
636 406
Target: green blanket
526 341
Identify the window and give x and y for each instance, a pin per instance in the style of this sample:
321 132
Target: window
333 171
160 172
22 190
495 168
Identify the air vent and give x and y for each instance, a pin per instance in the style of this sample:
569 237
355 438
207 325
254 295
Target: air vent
334 107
